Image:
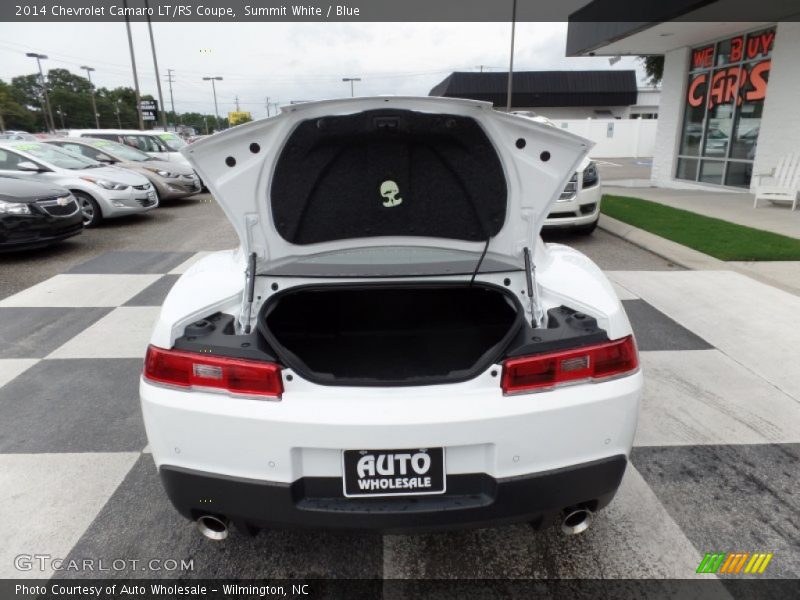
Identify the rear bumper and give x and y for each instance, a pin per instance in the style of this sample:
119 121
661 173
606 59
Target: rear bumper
280 463
471 500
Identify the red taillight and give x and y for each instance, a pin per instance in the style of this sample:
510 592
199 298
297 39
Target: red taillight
191 370
548 370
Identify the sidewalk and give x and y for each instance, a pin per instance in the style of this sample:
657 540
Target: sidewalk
728 206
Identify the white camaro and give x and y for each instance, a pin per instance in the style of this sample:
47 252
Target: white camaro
392 347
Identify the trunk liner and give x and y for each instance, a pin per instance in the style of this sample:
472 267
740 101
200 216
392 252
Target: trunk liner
380 334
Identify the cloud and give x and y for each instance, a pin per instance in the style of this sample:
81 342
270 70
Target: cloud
288 61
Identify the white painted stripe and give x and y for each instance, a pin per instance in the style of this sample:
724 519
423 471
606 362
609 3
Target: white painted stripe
81 291
49 500
122 333
753 323
12 367
624 293
704 397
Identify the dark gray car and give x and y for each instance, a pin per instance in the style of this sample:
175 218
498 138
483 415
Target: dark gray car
36 214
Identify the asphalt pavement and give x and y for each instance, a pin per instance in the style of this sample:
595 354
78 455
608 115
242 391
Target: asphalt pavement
714 467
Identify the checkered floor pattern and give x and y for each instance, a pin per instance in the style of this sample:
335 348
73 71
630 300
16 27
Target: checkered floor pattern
715 467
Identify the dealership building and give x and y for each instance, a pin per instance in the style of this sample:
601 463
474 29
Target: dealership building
557 94
730 100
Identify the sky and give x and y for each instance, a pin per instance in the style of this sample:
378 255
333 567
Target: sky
287 61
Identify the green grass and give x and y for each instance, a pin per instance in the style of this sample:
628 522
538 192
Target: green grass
715 237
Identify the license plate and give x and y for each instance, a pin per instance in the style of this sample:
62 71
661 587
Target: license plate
393 472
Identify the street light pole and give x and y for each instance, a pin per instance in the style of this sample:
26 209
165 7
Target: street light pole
351 80
511 59
133 66
61 116
155 66
214 89
91 88
52 124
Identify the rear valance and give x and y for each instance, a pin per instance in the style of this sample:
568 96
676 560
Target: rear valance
388 173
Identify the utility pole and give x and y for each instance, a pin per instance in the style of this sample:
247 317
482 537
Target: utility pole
237 103
155 66
511 59
61 116
214 89
47 111
116 111
266 104
352 80
133 65
91 88
171 99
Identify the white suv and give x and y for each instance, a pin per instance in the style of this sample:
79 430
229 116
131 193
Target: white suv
392 347
578 206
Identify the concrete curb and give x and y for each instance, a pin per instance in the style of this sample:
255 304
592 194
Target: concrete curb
683 256
671 251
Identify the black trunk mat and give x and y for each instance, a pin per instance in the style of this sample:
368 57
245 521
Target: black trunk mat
390 334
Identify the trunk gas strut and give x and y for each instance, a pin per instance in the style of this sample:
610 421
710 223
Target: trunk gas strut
251 289
529 280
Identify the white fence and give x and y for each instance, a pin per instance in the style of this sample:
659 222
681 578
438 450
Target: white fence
615 138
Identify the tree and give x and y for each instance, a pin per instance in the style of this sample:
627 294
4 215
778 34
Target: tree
14 115
653 68
21 104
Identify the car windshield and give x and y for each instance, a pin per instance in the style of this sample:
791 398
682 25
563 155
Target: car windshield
57 157
121 151
172 141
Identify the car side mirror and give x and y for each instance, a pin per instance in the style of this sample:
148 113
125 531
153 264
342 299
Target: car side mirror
105 158
27 165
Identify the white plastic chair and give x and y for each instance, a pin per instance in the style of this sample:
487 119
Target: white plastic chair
785 185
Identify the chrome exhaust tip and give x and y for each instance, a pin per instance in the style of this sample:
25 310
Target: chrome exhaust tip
214 528
576 521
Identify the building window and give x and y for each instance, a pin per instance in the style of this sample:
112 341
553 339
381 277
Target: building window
723 107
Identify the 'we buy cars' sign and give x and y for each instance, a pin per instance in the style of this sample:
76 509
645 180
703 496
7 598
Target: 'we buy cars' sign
728 82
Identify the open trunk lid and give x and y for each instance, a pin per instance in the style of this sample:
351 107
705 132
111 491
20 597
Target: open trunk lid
387 172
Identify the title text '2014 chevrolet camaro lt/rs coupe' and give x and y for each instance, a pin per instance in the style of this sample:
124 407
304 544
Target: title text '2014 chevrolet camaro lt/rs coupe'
392 347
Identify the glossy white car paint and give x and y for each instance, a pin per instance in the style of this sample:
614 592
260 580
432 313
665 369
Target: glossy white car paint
303 433
242 190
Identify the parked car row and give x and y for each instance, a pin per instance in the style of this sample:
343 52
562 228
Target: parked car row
52 188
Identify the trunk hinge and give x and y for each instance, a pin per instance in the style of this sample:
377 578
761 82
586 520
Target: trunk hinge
533 294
